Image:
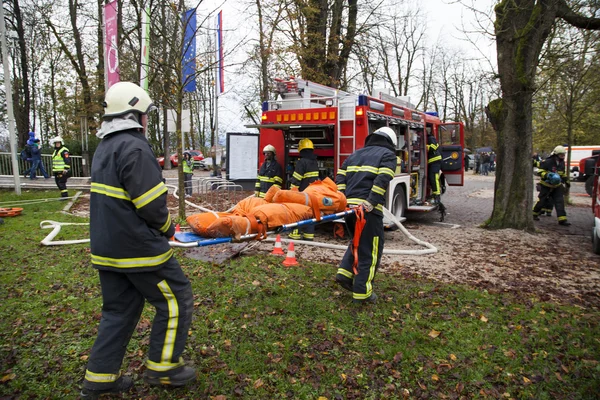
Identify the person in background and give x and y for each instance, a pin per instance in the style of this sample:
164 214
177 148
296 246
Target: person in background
553 173
467 159
188 173
434 165
130 227
269 174
61 165
27 150
477 163
306 172
36 160
364 178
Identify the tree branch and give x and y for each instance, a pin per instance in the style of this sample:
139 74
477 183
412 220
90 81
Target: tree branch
565 12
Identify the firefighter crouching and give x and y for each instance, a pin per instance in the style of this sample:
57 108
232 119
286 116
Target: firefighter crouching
364 178
269 174
130 227
305 172
434 165
553 174
61 165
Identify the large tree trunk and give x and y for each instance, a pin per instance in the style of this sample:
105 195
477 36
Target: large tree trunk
521 30
522 27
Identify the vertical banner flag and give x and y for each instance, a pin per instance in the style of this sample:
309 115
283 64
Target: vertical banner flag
145 46
220 73
111 54
188 59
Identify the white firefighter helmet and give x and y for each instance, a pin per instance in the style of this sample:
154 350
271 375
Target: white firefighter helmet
56 139
124 97
269 148
388 133
559 150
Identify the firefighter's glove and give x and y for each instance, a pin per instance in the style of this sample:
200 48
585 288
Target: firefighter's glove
257 193
368 207
65 172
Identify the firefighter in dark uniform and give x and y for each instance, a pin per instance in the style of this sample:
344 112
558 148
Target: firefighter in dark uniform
364 178
269 174
551 190
306 172
434 165
130 227
61 165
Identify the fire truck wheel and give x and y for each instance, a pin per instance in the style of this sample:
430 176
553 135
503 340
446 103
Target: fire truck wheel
595 242
399 202
589 185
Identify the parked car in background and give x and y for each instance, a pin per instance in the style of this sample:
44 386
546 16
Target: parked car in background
196 156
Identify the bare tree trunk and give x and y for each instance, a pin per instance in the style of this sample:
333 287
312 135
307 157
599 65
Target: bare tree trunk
21 94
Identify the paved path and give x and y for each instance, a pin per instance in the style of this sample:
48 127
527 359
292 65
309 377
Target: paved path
469 205
472 204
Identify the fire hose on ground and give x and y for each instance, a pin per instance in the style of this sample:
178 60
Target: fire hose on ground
429 248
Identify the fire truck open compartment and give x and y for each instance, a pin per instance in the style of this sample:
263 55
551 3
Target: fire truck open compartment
338 123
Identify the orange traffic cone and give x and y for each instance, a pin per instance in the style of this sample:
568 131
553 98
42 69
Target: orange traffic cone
278 250
290 259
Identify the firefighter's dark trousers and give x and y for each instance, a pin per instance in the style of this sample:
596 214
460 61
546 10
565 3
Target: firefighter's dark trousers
123 296
433 176
61 181
187 180
549 196
370 248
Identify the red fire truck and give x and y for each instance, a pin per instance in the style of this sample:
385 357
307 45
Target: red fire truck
338 122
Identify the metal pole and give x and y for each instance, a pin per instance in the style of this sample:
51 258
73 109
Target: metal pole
84 150
9 105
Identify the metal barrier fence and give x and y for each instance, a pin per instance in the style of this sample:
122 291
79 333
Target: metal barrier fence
6 164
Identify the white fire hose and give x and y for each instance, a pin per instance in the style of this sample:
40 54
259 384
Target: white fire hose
430 249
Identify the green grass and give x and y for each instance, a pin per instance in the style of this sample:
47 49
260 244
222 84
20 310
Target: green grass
263 331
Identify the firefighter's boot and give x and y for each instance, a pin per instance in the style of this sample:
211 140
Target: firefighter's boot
369 300
295 235
564 223
176 377
435 200
94 390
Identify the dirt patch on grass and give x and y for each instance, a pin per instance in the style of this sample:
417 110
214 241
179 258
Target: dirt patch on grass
548 265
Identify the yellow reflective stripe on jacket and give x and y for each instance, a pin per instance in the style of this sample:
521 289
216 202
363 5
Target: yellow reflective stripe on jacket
342 172
341 186
314 174
167 224
385 171
363 168
436 158
171 333
378 190
150 195
164 366
111 191
277 179
297 176
132 262
100 378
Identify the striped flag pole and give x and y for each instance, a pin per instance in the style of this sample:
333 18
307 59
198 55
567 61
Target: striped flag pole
145 48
